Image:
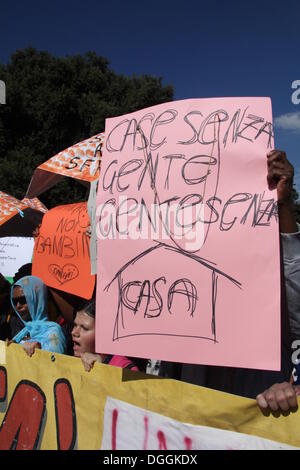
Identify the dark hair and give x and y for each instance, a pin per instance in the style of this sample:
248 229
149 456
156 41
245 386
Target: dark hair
89 308
24 270
5 285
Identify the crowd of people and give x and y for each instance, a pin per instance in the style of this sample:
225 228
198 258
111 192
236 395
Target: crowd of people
35 316
25 320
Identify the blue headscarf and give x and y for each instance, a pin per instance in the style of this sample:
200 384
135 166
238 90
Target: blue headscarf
48 333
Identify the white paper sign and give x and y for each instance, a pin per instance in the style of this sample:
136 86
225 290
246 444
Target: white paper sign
92 215
14 252
127 427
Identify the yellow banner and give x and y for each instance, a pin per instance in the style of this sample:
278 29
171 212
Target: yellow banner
49 402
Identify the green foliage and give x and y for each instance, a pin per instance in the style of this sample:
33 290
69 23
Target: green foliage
55 102
296 205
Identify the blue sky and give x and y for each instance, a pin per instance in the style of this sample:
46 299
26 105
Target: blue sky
203 48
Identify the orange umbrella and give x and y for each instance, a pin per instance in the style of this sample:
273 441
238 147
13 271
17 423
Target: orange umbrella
35 203
80 161
18 218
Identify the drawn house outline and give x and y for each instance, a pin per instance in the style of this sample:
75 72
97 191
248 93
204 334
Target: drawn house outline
215 274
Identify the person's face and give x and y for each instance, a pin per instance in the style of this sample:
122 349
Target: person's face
83 334
19 301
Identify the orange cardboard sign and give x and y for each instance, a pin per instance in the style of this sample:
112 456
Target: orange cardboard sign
61 255
80 161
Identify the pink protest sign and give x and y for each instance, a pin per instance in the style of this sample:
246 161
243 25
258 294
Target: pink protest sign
188 254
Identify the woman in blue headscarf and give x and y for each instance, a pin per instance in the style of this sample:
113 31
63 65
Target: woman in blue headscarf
30 302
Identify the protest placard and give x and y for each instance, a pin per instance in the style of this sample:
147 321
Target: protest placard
188 264
14 253
50 402
129 427
62 253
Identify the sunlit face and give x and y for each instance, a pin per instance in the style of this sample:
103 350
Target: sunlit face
83 334
20 303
